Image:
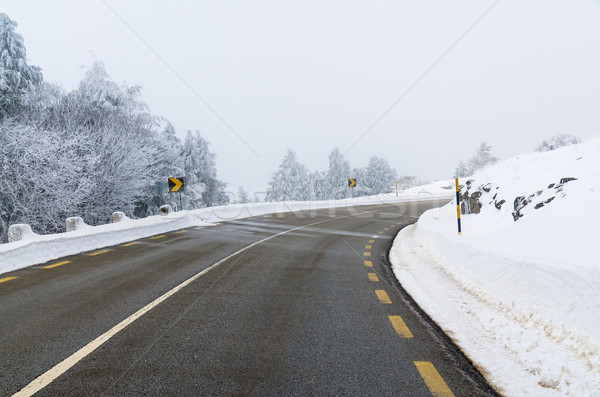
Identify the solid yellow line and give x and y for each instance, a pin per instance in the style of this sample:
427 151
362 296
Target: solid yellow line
383 296
368 264
367 254
400 326
56 264
130 244
433 379
371 241
99 252
157 237
373 277
2 280
368 247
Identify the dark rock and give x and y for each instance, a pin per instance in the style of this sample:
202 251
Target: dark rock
549 200
476 195
550 186
568 179
486 188
539 192
498 204
538 205
495 195
518 203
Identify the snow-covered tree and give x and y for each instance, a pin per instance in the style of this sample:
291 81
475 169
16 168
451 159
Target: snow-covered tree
482 158
317 185
203 189
242 196
379 176
361 188
16 76
290 182
336 178
557 141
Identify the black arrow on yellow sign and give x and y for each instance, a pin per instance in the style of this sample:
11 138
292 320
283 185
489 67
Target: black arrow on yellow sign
351 182
176 184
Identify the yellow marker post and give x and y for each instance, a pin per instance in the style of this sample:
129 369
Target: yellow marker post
458 205
433 379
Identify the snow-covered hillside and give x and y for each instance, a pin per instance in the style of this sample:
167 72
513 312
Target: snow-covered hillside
520 297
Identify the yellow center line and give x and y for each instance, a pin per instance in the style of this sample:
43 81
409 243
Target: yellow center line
181 231
157 237
379 232
367 254
5 279
368 247
400 326
433 379
373 277
383 296
392 225
99 253
371 241
56 264
368 264
130 244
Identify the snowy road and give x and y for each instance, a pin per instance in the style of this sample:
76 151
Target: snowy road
300 306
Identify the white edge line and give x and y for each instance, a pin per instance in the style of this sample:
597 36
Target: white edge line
49 376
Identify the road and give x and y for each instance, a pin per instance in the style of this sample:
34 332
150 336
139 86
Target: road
287 304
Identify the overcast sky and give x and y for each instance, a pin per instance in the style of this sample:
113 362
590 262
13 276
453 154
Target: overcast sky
313 75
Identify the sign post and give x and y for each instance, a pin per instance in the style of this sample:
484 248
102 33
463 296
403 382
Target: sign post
177 185
351 184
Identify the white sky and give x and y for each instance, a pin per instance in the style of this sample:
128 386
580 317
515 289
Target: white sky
312 75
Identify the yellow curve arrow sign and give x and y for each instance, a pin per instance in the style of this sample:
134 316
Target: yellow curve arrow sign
177 184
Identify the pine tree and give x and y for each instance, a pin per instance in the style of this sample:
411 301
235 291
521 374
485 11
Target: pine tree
380 176
16 76
336 178
290 182
242 196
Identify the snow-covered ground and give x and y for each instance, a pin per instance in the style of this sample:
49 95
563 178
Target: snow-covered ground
35 249
521 298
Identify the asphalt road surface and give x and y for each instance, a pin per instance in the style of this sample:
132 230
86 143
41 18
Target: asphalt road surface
300 304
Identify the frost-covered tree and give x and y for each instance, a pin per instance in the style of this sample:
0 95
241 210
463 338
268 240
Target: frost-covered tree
336 178
361 188
290 182
482 158
379 176
242 196
203 188
16 76
557 141
317 185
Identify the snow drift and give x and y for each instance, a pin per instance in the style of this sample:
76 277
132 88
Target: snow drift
519 291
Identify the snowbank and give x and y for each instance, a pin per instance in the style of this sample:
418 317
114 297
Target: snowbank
35 249
521 298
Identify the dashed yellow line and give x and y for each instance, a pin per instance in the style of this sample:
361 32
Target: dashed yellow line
371 241
373 277
368 247
99 253
386 229
368 264
383 296
5 279
392 225
157 237
56 264
367 254
379 232
433 379
130 244
400 327
181 231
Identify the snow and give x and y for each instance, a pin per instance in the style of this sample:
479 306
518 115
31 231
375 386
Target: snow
36 249
520 298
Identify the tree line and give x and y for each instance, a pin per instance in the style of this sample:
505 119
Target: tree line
88 152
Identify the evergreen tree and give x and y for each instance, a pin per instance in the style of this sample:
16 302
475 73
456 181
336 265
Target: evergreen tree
380 176
290 182
242 196
482 158
557 141
336 178
16 76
